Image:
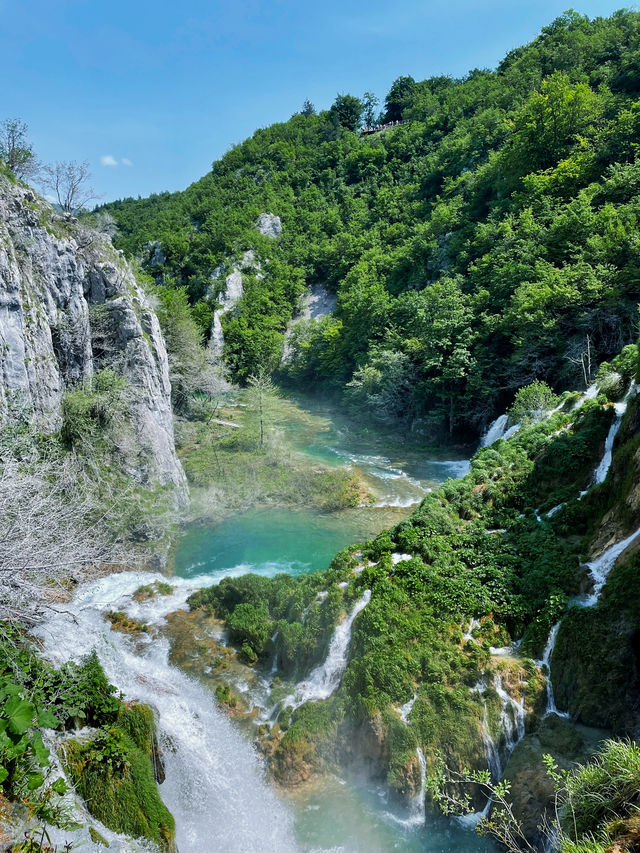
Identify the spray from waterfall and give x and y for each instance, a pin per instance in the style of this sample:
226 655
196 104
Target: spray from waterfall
215 785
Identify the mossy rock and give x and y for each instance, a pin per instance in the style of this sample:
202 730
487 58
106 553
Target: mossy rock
532 789
115 777
97 838
596 662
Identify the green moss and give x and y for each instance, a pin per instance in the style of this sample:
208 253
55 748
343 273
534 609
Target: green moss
594 666
97 838
148 591
115 778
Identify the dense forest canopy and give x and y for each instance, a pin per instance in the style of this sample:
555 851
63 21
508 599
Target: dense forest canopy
488 241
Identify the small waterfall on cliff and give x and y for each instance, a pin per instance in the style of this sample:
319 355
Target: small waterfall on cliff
407 708
228 299
600 568
470 821
418 811
325 678
215 786
490 748
468 634
600 474
546 661
495 431
216 342
512 716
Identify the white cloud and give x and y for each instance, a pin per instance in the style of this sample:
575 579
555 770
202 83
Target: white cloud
126 162
108 160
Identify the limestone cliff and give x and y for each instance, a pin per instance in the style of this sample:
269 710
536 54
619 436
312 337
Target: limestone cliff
69 306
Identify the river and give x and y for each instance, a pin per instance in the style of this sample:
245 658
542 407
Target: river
215 782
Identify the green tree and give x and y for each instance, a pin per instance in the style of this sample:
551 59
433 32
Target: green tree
261 397
347 109
532 403
370 102
183 337
399 98
15 149
308 108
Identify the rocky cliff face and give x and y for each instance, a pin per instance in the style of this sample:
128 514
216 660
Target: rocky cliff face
69 306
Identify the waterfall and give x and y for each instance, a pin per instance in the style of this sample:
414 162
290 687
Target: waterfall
555 509
600 474
76 811
546 661
406 709
417 803
325 678
228 299
274 665
470 821
215 785
490 749
600 568
216 341
512 716
468 635
495 431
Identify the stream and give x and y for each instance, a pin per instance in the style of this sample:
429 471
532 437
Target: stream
215 784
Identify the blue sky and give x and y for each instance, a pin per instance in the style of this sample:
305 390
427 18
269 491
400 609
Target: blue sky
150 93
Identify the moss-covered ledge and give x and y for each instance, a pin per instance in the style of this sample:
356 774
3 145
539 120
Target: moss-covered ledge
114 772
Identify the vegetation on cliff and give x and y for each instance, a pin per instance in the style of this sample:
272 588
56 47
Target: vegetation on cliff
473 550
113 770
487 242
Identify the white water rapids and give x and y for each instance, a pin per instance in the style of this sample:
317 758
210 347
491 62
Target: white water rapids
495 431
215 785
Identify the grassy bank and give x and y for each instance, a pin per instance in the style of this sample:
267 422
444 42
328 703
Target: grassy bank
230 470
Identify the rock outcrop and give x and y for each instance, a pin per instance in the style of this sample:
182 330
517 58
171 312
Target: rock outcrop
269 224
70 305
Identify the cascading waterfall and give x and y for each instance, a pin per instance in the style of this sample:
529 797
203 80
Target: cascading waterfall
512 716
76 811
407 708
546 661
470 821
599 569
495 431
217 335
600 474
418 811
490 748
215 785
325 678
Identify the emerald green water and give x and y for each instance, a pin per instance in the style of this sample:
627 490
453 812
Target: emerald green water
284 539
277 539
335 815
347 817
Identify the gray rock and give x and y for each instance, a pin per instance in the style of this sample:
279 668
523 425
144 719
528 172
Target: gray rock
156 255
269 224
68 301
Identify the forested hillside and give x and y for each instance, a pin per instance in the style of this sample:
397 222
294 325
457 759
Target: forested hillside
489 240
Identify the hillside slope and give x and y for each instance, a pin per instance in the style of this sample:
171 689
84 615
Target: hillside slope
488 241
